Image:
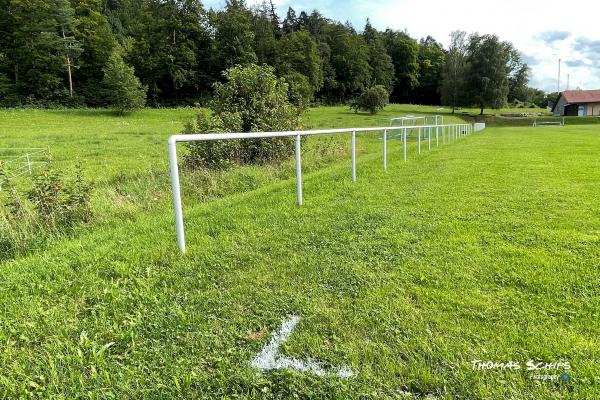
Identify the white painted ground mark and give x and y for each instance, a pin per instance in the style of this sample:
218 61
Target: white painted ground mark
269 357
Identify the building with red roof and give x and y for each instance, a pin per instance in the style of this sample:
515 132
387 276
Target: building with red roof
578 103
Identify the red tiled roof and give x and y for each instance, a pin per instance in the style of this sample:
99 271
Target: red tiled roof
581 96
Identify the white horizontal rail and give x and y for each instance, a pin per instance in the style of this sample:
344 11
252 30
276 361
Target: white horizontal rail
20 164
449 132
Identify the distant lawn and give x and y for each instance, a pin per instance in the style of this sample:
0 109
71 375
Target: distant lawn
486 248
104 143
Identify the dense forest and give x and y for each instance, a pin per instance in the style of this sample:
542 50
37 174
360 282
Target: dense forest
74 52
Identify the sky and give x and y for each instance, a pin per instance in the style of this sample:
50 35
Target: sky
543 31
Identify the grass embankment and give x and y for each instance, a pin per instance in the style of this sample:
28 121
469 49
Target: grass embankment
485 249
125 158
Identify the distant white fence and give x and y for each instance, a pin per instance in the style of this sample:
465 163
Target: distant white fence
537 123
15 162
478 126
449 132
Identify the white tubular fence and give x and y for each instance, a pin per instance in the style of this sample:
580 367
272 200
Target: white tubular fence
15 162
448 132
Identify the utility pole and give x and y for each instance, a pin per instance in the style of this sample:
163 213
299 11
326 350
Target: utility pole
568 80
68 59
558 87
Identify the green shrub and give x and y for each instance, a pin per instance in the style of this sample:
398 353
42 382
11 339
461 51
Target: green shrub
60 203
252 99
122 89
300 91
372 100
54 205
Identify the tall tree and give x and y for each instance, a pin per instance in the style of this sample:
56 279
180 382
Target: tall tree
37 36
234 38
123 90
488 71
454 74
266 30
382 67
404 51
431 58
92 30
290 22
350 61
298 52
170 44
518 79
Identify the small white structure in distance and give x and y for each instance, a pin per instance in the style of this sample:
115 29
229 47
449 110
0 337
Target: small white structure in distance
15 162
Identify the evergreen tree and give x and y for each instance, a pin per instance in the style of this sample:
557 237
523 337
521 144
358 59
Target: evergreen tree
265 33
92 31
55 52
122 89
169 49
350 62
432 59
381 64
404 51
290 22
36 51
234 38
298 52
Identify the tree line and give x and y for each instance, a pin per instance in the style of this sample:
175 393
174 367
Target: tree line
78 53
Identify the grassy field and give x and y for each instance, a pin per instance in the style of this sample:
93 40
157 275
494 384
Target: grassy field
487 248
125 159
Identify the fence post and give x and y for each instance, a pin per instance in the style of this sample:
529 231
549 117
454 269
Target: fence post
29 164
176 194
404 140
385 149
437 136
429 139
298 171
419 140
353 156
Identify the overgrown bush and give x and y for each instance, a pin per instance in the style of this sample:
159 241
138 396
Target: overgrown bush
300 91
252 99
60 203
52 206
372 100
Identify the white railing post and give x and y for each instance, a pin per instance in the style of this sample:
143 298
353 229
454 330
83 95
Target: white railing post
29 164
429 139
404 140
176 194
298 171
437 136
353 156
419 140
385 149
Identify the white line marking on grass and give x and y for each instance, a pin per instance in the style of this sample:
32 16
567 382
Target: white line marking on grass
269 358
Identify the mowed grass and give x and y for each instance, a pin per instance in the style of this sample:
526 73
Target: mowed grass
107 145
484 249
125 159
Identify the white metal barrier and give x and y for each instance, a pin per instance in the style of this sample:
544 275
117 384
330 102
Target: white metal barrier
559 123
478 126
448 132
15 162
